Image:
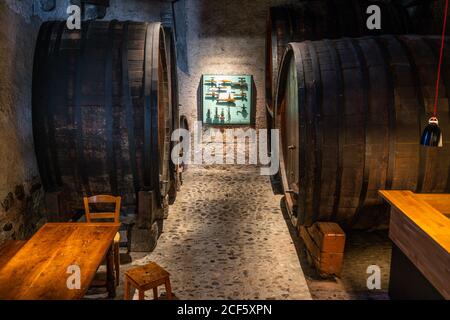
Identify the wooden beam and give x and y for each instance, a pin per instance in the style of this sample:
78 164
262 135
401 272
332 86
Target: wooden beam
423 234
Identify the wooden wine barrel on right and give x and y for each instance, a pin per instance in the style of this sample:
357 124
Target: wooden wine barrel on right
351 112
323 19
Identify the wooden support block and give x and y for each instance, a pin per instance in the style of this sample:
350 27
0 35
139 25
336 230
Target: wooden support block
144 240
146 209
56 207
325 243
328 236
419 227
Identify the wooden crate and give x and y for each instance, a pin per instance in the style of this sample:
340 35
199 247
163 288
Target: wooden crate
325 243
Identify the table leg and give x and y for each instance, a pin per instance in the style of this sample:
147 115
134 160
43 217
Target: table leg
155 293
117 262
110 277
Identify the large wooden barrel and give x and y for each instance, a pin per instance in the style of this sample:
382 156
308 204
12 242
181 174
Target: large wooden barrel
323 19
350 113
103 109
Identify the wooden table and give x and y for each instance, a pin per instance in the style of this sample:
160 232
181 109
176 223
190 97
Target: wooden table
420 230
38 271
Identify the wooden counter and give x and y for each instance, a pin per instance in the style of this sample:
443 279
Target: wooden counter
38 271
420 228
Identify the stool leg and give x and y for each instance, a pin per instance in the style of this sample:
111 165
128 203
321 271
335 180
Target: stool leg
110 277
168 290
126 289
117 262
155 293
141 295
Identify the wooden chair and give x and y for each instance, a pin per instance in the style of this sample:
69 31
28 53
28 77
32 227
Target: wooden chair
95 216
145 278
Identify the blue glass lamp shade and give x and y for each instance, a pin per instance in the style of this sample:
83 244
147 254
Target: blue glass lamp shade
432 135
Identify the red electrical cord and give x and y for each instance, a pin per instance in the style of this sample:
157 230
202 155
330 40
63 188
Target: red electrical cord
441 55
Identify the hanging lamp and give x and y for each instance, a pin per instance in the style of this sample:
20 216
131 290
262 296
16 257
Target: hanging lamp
432 134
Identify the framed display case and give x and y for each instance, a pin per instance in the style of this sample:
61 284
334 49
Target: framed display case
227 100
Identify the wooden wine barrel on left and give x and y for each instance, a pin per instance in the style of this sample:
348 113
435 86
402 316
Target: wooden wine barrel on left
103 110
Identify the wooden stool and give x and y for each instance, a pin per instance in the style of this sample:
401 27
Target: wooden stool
145 278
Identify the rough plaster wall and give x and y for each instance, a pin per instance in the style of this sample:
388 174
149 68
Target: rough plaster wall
20 190
23 8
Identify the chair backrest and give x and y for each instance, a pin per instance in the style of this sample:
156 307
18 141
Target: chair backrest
90 216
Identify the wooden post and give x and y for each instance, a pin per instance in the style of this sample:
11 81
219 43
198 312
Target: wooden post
126 289
168 289
56 208
146 209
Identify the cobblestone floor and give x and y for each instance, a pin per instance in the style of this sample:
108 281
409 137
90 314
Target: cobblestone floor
226 238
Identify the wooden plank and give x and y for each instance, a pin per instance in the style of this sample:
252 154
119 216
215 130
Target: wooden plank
423 234
430 259
326 263
331 263
39 270
433 222
328 236
9 249
311 246
56 207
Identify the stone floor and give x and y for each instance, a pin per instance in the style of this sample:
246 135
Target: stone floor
227 237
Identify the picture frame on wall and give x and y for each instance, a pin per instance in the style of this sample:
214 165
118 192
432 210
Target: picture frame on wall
227 100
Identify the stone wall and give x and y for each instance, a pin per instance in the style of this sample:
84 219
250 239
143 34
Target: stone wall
134 10
20 189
